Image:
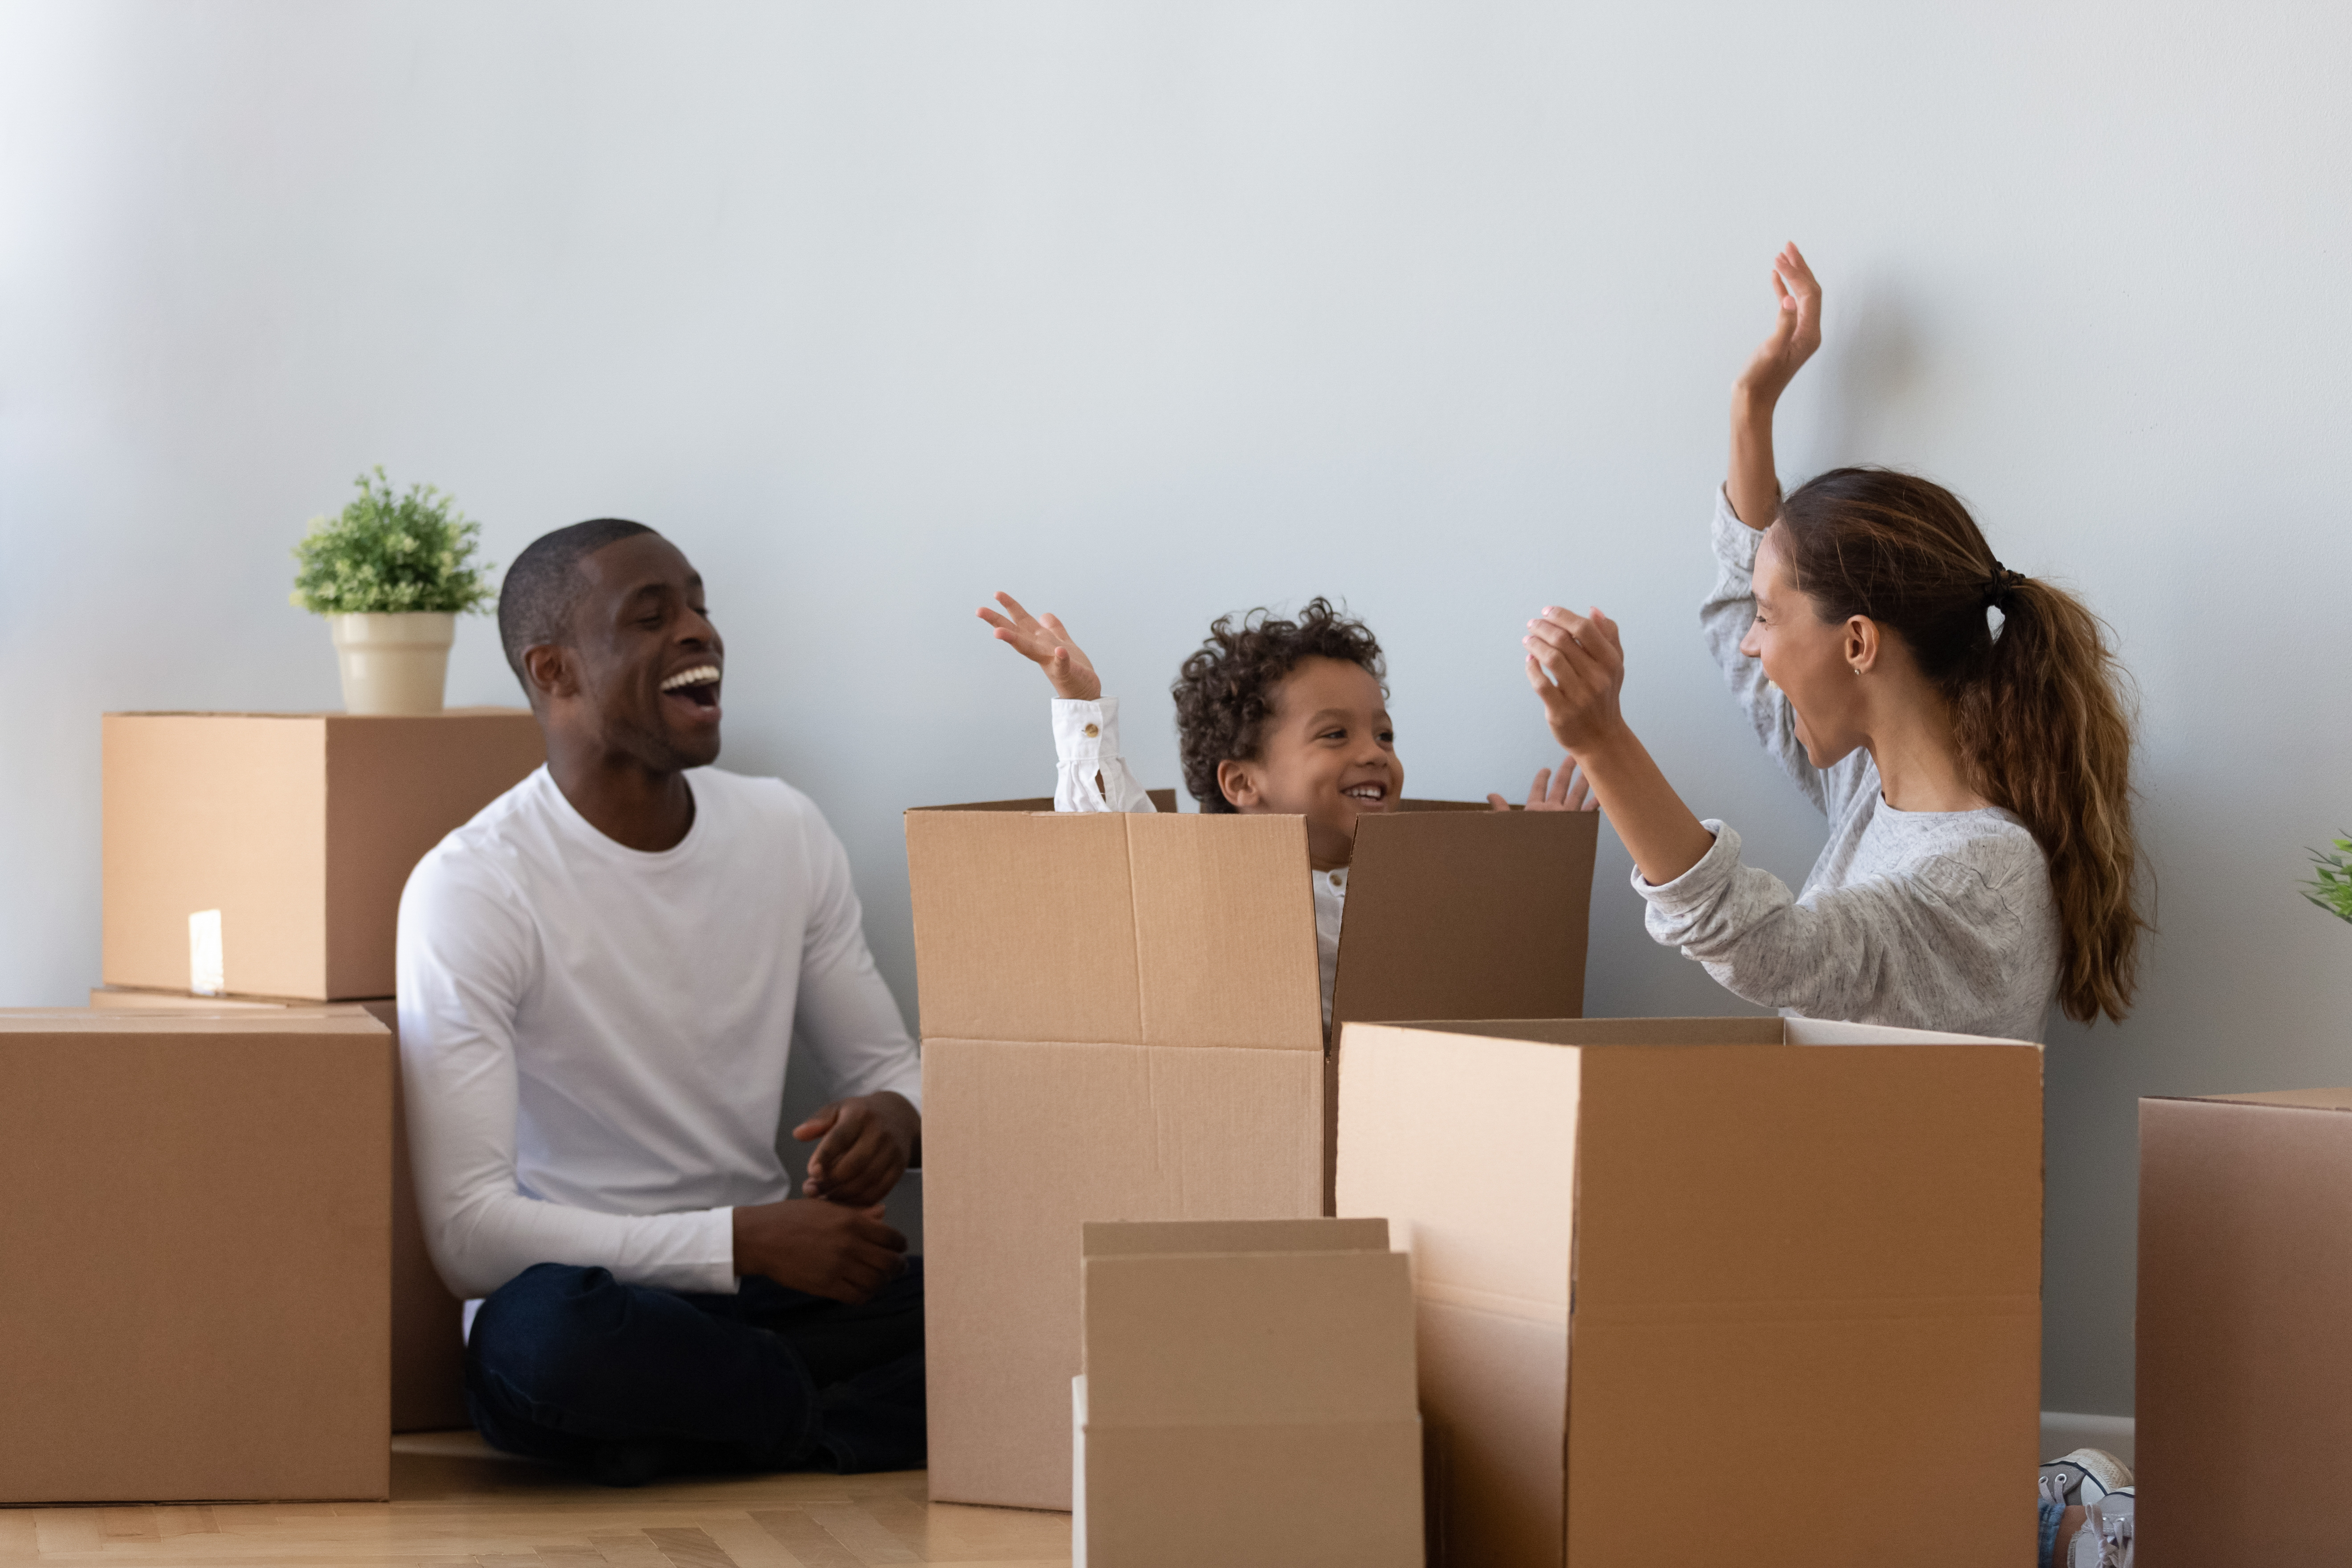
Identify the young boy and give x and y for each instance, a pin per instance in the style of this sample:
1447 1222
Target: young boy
1287 717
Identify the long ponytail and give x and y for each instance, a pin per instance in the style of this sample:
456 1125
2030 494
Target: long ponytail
2041 713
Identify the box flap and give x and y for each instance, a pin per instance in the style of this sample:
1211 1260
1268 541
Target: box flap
1727 1031
138 1021
1225 922
1918 1167
1205 1339
1161 799
1829 1032
2292 1098
1467 913
1482 1204
1101 928
1024 926
1110 1238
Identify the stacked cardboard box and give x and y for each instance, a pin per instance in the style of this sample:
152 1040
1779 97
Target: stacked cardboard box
2245 1356
1121 1020
254 861
1710 1289
1247 1399
197 1225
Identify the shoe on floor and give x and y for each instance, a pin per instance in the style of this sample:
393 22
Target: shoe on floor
2083 1477
2105 1539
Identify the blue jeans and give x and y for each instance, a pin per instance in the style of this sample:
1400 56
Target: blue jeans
624 1382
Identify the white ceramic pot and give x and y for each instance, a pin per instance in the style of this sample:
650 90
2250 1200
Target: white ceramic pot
394 664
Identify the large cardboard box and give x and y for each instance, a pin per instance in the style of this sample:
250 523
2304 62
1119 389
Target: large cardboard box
1710 1289
1247 1399
263 853
1122 1020
198 1223
2244 1407
429 1344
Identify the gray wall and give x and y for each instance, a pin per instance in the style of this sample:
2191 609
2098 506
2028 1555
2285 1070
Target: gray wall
1150 312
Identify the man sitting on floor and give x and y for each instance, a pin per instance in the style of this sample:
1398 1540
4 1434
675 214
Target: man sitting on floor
602 978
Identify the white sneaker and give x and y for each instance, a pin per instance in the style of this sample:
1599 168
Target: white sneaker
2105 1539
2083 1477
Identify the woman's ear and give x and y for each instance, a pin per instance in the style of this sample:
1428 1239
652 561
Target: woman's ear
1860 643
1238 783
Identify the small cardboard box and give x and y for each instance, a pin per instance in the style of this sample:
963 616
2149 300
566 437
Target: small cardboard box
428 1344
1247 1399
1122 1020
263 854
1711 1290
2244 1343
197 1229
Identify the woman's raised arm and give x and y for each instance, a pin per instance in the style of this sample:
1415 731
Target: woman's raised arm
1753 485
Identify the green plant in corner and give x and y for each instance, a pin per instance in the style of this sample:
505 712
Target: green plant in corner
392 555
2331 887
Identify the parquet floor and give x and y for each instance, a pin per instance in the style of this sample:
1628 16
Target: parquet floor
454 1504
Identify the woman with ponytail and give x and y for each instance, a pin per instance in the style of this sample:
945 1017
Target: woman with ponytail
1963 727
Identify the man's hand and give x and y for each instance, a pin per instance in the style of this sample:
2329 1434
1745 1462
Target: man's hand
1796 329
1569 790
869 1141
841 1254
1044 642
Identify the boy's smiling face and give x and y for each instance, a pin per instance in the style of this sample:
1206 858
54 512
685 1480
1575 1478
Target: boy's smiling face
1329 754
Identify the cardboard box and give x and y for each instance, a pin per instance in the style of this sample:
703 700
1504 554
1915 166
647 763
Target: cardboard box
263 854
198 1241
2245 1329
428 1343
1122 1020
1247 1399
1711 1290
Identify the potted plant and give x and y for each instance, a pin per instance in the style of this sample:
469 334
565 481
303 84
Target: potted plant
391 573
2331 885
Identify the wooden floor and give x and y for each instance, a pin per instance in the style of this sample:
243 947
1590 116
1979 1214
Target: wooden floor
454 1504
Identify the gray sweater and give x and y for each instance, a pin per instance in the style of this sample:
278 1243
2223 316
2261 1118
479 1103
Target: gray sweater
1924 920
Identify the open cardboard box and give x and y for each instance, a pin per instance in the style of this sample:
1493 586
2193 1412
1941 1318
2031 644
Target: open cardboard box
1122 1020
1247 1398
197 1229
2245 1340
264 854
1703 1291
428 1346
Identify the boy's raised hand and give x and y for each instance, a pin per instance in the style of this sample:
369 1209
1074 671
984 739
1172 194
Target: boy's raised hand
1796 329
1044 642
1567 790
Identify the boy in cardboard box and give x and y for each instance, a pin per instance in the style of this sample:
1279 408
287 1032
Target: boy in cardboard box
1276 716
601 977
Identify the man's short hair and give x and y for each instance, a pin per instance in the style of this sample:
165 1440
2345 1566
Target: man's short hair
543 586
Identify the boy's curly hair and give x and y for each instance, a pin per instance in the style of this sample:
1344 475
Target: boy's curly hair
1225 691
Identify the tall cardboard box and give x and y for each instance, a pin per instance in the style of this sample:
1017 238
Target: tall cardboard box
263 853
1247 1399
1122 1020
1712 1289
2244 1344
198 1223
429 1344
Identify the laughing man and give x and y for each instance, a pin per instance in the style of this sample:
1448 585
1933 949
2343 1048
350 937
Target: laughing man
602 978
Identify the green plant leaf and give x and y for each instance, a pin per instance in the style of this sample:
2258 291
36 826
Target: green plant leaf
2331 886
386 554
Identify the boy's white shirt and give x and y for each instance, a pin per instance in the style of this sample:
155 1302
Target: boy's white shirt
1093 777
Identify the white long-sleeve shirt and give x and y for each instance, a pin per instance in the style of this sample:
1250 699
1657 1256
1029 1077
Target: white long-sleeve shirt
1924 920
595 1038
1093 777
